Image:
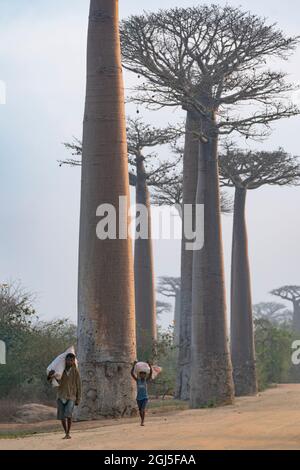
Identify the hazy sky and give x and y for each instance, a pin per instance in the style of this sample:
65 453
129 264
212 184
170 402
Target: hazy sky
42 57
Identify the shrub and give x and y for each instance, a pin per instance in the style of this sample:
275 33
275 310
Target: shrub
273 352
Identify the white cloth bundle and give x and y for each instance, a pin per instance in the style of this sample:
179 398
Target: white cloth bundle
58 365
144 367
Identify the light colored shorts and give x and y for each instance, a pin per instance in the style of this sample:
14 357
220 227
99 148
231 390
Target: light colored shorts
65 411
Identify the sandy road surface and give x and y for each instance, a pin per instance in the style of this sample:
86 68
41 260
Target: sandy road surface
268 421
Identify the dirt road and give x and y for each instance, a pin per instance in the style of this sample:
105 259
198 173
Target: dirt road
269 421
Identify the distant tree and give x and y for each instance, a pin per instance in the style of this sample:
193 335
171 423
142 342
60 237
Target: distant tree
29 351
16 305
162 308
165 356
210 60
292 294
149 171
170 287
248 170
30 344
274 312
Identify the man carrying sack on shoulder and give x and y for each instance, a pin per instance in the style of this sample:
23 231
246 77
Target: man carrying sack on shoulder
68 393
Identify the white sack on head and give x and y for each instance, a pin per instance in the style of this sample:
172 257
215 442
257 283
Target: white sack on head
59 364
144 367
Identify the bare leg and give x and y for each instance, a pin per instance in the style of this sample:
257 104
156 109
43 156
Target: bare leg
141 416
69 425
142 413
64 424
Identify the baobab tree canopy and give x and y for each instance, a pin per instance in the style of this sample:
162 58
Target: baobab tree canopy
292 294
210 58
143 137
273 311
251 169
169 286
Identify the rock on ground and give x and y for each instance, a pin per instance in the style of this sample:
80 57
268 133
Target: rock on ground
34 413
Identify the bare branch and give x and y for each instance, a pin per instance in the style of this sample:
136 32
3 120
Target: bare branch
210 59
168 286
291 293
253 169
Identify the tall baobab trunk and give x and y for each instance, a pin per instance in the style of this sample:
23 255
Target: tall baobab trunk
106 330
177 318
211 372
296 315
145 302
242 335
190 166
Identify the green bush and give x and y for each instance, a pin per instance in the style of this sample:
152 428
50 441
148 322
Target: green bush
273 352
31 345
165 357
29 350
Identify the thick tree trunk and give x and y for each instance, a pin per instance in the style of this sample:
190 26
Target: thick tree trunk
177 319
211 371
242 334
190 166
106 323
145 302
296 316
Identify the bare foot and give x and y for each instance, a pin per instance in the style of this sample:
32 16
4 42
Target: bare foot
67 436
142 424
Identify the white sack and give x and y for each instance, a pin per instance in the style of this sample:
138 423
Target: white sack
59 365
144 367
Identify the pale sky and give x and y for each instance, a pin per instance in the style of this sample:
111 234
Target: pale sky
42 56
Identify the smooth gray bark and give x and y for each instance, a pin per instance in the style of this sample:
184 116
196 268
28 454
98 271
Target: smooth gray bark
296 315
190 166
211 370
145 301
242 334
177 318
106 321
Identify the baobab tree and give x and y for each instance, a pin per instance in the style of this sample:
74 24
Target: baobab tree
248 170
172 194
292 294
149 171
106 319
162 308
146 170
272 311
210 61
